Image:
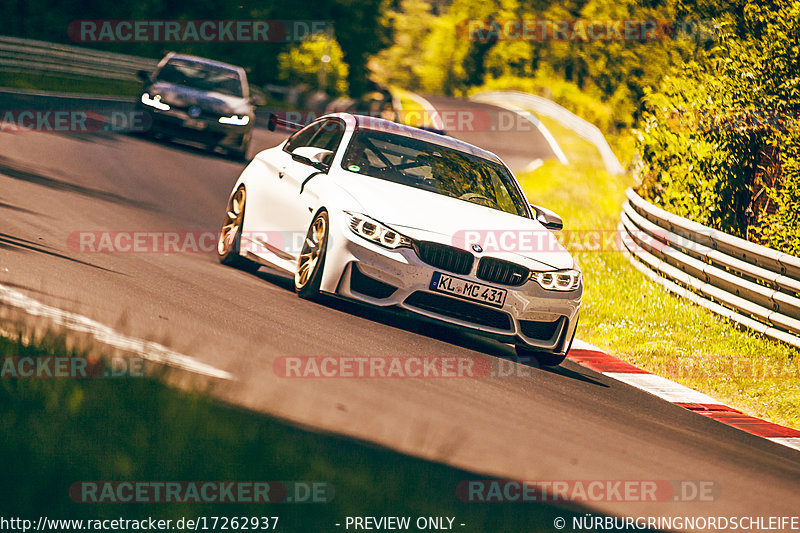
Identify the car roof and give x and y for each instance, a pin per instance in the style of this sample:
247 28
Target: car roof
206 61
380 124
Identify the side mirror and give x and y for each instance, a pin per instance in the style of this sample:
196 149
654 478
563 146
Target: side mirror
318 158
258 100
143 75
547 218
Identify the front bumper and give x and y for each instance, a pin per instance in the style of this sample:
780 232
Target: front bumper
205 130
531 316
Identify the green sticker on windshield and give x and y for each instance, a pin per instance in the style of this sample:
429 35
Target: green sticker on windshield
354 168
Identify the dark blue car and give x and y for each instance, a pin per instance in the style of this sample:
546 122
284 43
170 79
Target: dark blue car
199 100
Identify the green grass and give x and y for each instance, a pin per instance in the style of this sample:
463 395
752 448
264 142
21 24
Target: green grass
61 84
639 321
55 432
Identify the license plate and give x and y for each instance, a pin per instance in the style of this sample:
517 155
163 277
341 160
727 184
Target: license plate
194 124
468 290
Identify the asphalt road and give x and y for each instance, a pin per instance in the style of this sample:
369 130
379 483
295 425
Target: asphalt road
563 424
498 130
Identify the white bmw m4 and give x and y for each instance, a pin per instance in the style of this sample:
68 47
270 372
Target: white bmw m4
389 215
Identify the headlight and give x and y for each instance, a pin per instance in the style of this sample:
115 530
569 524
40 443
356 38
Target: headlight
558 280
235 120
374 231
155 101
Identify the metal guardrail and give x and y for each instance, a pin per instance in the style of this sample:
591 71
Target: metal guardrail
26 55
753 285
543 106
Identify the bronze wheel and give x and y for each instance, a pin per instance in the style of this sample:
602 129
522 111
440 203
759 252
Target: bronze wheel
230 236
308 276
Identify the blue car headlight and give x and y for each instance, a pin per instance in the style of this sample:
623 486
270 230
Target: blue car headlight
235 120
155 102
374 231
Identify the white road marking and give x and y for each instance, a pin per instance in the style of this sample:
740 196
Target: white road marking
578 344
533 165
662 387
791 442
148 350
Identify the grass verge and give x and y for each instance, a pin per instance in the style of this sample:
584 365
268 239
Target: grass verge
55 432
61 84
643 323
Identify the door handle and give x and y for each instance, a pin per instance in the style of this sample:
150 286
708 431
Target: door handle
281 174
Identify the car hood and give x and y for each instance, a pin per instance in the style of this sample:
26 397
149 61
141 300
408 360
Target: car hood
213 102
425 215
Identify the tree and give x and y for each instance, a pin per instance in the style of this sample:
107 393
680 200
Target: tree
317 61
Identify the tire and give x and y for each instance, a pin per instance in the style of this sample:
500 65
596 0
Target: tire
308 276
236 155
240 154
546 358
230 236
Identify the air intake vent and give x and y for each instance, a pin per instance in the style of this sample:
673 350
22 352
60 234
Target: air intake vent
363 284
459 309
543 331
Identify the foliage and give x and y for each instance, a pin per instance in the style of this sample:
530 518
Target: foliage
399 64
720 137
456 52
303 63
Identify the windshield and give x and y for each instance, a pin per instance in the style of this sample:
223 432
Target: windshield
434 168
201 76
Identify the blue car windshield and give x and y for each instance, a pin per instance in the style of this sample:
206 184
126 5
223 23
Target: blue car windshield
201 76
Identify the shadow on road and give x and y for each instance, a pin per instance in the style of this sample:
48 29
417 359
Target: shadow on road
4 205
48 294
187 147
16 171
9 242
